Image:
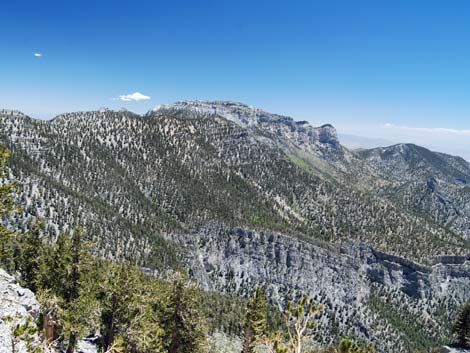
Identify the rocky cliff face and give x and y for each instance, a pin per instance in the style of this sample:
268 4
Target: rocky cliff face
363 290
322 141
18 306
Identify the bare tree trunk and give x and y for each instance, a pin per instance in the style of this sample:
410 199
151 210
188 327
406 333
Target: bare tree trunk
49 328
175 337
71 344
13 345
298 348
248 339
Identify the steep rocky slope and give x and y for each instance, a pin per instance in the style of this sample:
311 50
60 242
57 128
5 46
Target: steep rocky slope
19 315
397 304
242 196
318 147
132 179
432 184
17 307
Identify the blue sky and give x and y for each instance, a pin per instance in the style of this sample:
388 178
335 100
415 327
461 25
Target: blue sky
398 70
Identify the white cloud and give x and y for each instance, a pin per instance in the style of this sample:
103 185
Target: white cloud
429 129
37 55
132 97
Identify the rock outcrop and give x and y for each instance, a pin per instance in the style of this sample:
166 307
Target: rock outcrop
360 287
19 310
322 141
18 306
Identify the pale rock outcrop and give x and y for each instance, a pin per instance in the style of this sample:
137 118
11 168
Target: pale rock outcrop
17 304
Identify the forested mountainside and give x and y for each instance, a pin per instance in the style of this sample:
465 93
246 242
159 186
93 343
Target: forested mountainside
434 185
135 179
243 197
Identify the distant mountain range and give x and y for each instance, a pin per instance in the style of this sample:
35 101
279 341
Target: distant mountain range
355 142
241 196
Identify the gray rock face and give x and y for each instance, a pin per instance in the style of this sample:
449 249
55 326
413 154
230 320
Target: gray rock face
318 146
319 140
85 346
327 134
16 305
350 281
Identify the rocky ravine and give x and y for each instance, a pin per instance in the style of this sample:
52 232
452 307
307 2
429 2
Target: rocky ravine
363 290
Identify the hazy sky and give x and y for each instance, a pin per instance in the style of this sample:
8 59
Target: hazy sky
398 70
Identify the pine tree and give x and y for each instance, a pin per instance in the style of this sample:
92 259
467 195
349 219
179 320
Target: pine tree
8 244
144 332
129 302
461 326
299 320
185 328
117 346
255 320
31 255
72 285
348 345
116 290
67 288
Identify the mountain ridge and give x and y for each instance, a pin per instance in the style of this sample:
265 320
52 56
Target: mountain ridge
239 204
309 150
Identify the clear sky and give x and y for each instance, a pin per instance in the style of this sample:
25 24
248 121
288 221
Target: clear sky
398 69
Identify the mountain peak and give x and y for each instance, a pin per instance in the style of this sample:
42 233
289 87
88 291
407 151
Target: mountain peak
301 133
407 160
204 104
241 114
